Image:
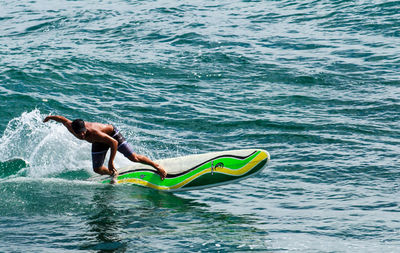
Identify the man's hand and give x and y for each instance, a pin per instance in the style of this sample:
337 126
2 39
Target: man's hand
161 171
112 168
46 119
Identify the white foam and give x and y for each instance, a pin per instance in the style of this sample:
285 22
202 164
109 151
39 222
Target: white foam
47 180
48 147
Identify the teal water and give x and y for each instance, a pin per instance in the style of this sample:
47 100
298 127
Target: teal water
316 83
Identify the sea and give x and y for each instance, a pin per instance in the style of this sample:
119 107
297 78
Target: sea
315 83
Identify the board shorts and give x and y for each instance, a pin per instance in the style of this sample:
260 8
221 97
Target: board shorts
99 150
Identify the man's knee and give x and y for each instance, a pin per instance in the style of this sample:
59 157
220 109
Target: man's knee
102 170
97 170
135 158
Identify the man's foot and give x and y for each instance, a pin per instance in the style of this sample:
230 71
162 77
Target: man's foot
114 178
161 171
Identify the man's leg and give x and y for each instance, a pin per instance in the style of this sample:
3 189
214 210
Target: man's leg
145 160
99 153
103 170
126 149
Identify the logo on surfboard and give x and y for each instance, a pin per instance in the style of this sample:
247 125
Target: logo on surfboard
218 165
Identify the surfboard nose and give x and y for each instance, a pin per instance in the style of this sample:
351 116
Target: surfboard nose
261 160
268 156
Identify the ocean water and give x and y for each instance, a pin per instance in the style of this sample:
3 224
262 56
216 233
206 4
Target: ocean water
316 83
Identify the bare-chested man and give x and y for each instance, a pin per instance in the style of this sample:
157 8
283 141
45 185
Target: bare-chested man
103 137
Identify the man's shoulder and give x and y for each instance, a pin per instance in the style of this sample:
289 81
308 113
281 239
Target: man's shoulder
100 128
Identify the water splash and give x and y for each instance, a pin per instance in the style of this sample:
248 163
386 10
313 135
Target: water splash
48 147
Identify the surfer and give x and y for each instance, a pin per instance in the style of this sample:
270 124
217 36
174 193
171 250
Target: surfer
104 137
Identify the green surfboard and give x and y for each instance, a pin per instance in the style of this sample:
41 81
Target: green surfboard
195 171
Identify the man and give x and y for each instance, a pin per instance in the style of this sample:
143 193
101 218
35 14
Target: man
104 137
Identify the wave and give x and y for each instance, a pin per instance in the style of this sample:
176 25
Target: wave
12 167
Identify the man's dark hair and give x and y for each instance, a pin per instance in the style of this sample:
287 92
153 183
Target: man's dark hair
78 126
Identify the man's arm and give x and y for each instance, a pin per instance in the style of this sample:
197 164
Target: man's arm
105 138
61 119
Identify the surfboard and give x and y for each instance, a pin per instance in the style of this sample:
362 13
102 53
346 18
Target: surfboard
195 171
